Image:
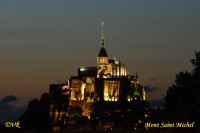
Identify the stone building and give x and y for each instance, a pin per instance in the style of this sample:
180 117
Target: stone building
108 81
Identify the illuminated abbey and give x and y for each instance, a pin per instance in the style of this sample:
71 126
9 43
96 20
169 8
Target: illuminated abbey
108 81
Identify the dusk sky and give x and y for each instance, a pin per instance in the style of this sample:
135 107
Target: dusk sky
45 42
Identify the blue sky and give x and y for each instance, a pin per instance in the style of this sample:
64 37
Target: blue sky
42 42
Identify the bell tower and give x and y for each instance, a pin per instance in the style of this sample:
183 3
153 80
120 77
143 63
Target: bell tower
102 58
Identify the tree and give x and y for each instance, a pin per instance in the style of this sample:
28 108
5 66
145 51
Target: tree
37 114
182 101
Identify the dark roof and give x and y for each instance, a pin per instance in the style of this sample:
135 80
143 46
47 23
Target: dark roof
87 71
102 52
87 68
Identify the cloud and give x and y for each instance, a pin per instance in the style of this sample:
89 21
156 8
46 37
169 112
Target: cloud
8 99
150 89
8 112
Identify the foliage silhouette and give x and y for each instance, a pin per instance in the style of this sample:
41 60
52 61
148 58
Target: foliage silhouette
182 102
37 114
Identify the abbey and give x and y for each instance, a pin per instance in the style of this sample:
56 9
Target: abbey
108 81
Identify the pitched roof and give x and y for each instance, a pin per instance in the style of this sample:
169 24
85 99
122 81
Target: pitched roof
102 52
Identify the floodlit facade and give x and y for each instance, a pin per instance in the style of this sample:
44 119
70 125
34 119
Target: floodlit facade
108 81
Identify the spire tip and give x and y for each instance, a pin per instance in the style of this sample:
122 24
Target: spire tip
102 36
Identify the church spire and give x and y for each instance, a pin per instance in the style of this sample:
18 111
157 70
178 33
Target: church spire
102 52
102 36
